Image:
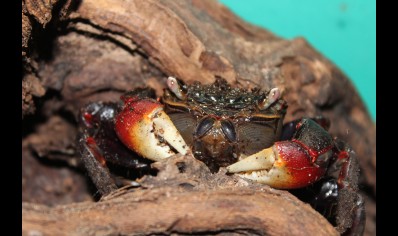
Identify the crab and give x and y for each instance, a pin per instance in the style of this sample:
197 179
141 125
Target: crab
224 127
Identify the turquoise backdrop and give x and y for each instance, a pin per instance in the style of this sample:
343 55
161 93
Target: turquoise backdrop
344 31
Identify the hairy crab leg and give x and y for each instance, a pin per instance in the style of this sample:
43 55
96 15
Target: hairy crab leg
347 181
144 127
98 173
92 155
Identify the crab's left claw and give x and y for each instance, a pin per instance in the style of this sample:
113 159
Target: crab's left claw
290 164
144 127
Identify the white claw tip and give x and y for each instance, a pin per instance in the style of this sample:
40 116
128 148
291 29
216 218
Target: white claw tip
262 160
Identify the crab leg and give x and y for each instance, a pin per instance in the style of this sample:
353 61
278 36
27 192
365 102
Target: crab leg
290 164
144 127
348 192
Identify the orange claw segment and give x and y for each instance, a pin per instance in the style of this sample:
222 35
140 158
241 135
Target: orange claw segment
296 162
144 127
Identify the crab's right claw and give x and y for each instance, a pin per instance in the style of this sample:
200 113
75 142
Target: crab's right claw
144 127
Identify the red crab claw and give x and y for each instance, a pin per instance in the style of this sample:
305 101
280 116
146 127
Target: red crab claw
290 164
144 127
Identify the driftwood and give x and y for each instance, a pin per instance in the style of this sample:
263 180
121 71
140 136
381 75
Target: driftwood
182 202
97 49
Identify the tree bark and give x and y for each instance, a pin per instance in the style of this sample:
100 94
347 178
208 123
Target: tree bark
97 49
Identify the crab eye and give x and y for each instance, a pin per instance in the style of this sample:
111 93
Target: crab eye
204 126
272 97
228 129
177 87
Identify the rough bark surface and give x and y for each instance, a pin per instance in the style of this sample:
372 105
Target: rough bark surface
240 213
91 50
192 201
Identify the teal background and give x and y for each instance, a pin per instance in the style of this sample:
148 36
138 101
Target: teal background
344 31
